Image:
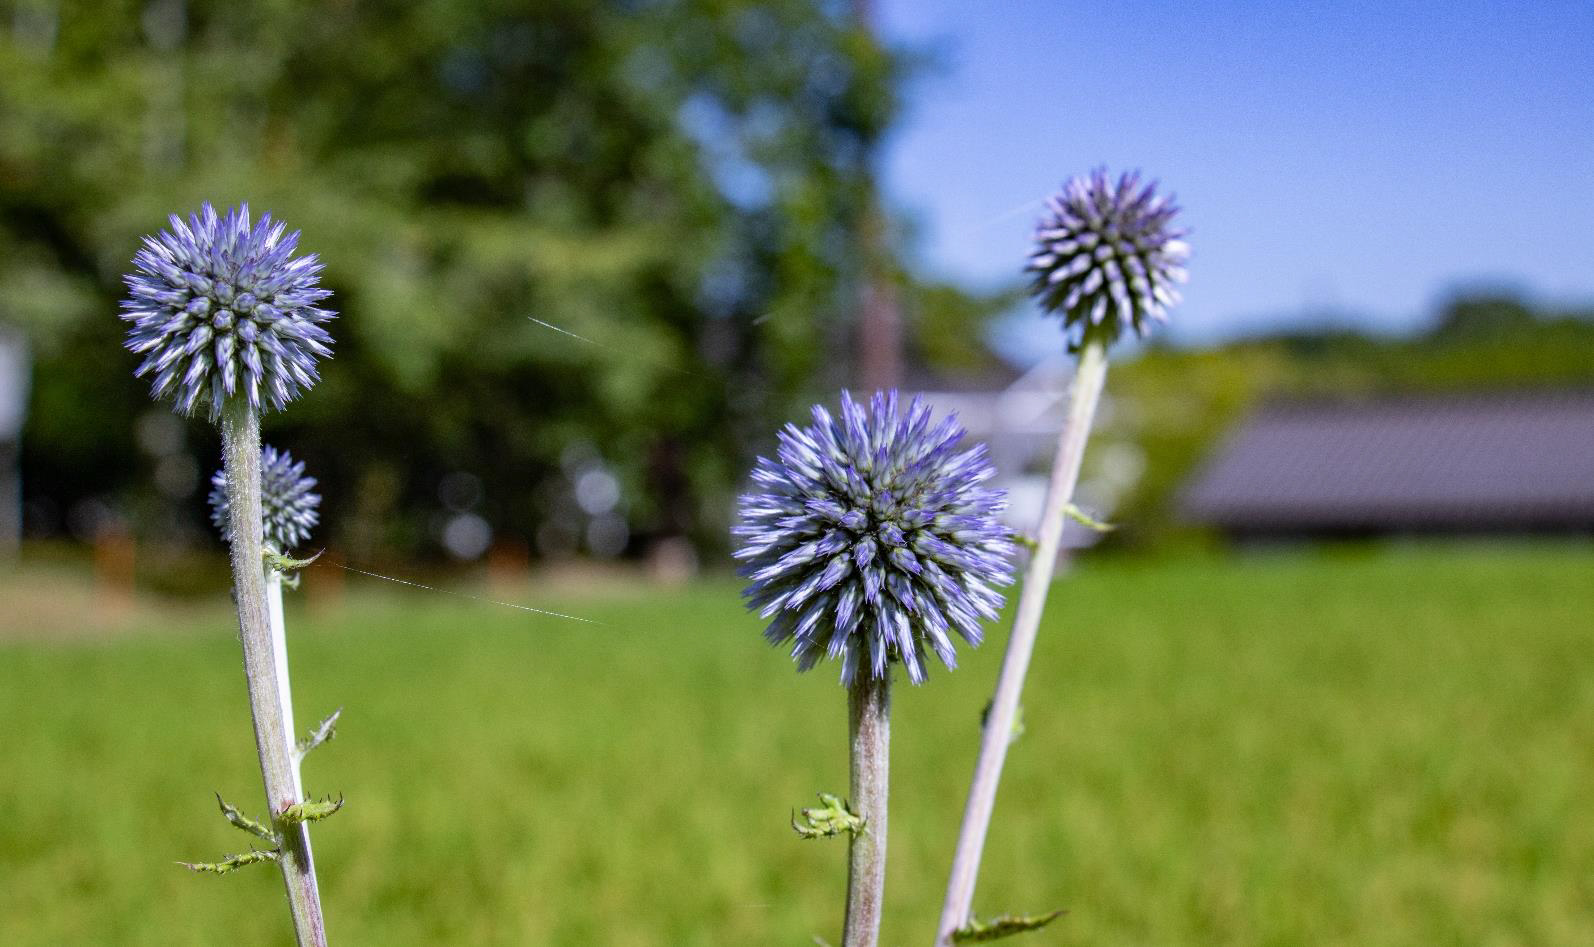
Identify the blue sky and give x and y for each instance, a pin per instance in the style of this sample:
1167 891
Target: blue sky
1344 157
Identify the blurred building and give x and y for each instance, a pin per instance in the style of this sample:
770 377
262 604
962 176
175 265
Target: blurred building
1018 416
13 410
1478 463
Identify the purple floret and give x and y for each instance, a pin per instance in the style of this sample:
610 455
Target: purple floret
221 309
1107 255
288 508
869 539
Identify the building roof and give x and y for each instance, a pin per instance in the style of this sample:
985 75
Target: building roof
1462 462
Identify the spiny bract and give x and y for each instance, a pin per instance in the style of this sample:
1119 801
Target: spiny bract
219 308
1107 255
869 538
287 506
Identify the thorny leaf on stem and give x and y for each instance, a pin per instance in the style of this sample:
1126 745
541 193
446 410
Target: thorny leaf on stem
1018 721
323 732
310 810
287 565
239 820
232 862
1086 520
1007 925
828 820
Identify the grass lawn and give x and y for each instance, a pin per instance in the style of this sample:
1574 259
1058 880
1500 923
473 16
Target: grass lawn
1376 747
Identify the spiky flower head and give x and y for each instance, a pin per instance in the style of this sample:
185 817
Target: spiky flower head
288 508
1107 255
869 538
222 309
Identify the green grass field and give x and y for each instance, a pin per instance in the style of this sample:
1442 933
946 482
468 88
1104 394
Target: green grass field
1373 747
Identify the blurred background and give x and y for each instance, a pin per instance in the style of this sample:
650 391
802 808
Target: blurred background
588 256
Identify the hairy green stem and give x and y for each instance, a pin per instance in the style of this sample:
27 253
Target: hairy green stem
869 726
1083 397
240 437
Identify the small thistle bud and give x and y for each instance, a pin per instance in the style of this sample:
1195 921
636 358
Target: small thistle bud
220 309
287 506
1107 255
868 538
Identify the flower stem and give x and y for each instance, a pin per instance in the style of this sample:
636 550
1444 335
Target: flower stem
869 725
279 663
240 437
1083 397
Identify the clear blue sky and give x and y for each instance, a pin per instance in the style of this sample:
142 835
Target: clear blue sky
1355 157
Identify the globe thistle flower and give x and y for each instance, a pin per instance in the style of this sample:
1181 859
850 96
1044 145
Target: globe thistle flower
225 316
219 308
1107 255
870 539
288 508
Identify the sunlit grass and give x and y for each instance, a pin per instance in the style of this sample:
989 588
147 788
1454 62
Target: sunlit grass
1392 747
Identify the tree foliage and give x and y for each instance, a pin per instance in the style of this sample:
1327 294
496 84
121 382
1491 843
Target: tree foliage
558 233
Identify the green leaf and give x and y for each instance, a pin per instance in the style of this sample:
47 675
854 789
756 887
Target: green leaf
828 820
1086 520
241 821
978 932
287 565
232 862
324 731
310 811
1018 721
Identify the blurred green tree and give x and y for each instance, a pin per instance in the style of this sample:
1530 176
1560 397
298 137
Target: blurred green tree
1469 316
562 235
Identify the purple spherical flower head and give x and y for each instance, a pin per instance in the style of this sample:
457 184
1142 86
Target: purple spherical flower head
287 506
1107 255
221 309
869 538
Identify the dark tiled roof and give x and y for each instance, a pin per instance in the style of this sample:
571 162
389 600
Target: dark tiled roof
1497 461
